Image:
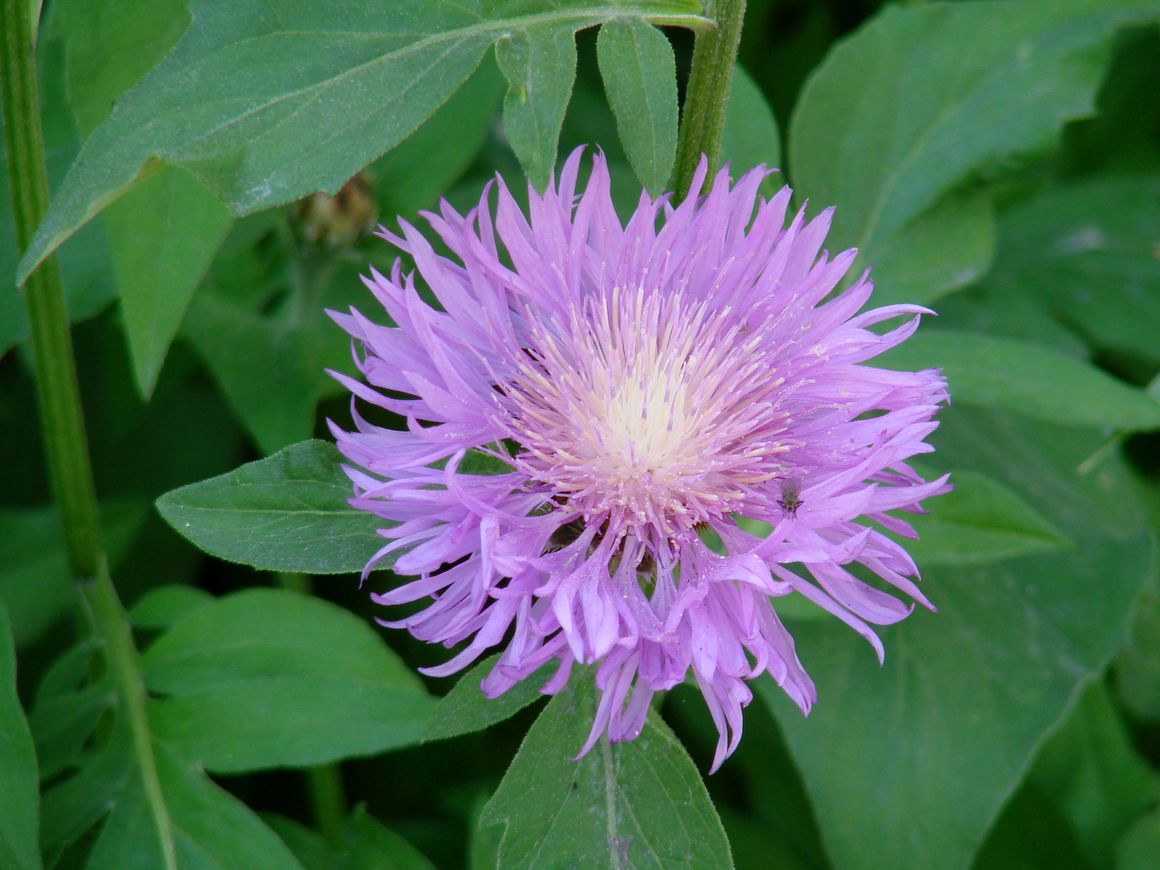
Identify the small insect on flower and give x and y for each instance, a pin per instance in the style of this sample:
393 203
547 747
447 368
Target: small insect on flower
791 495
660 389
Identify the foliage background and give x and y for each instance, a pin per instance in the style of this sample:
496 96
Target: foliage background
997 160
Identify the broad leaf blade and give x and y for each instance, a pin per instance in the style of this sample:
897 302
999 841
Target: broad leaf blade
287 512
268 678
640 77
1027 379
636 804
19 793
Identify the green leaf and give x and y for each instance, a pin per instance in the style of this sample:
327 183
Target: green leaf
1027 379
1138 849
269 370
414 174
540 67
165 605
1137 670
211 828
86 268
369 844
366 844
19 793
269 678
34 582
1093 774
981 520
466 709
908 765
945 248
640 77
287 512
163 235
750 137
636 804
1088 251
267 101
925 98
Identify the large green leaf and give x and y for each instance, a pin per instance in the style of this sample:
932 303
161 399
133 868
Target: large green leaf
637 804
1026 379
1088 251
269 678
640 77
287 512
19 793
268 101
908 765
923 99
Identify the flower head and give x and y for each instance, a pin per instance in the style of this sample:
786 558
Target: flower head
684 428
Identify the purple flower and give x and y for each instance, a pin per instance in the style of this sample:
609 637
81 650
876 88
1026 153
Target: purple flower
687 432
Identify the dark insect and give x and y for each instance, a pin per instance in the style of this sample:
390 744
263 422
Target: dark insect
791 495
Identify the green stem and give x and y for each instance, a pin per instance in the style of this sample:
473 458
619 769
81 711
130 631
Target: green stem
58 394
707 95
327 796
56 380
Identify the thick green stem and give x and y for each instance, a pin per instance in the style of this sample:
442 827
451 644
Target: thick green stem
703 115
327 796
61 415
60 404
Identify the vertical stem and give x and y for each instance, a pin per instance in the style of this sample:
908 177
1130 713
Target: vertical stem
703 115
56 378
61 415
327 796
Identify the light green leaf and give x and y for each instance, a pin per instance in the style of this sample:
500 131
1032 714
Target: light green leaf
1027 379
267 101
287 512
465 708
636 804
981 520
19 792
908 765
269 678
540 67
640 78
924 98
750 137
1090 251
